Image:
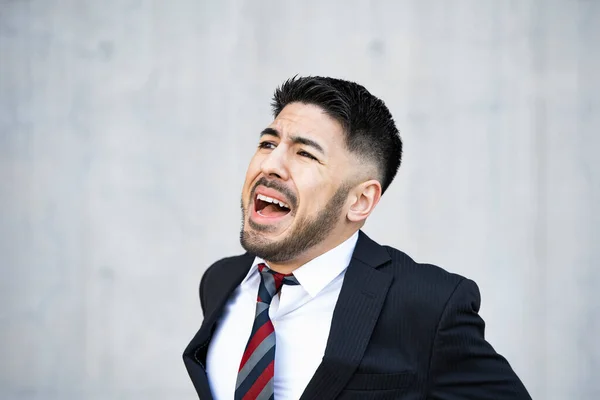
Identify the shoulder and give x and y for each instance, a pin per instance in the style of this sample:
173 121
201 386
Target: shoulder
224 265
218 278
426 287
403 265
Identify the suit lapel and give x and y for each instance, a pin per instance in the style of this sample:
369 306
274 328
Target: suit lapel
219 291
357 309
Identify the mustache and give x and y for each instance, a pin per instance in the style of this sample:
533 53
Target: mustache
290 196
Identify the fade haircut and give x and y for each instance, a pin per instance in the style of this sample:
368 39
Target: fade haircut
370 130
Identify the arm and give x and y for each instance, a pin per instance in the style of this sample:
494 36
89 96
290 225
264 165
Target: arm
463 364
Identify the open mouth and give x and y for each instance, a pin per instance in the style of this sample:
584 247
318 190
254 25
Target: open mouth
269 207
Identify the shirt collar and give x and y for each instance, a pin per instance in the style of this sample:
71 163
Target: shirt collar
316 274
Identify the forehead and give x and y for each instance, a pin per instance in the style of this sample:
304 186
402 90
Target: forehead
310 121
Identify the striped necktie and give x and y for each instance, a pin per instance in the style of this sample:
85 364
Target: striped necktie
255 376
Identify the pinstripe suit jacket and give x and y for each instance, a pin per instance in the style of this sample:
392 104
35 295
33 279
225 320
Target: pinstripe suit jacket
400 330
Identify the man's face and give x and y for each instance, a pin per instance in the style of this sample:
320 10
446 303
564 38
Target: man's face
296 191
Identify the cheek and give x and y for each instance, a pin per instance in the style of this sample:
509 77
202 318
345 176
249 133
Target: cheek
314 198
309 176
254 165
251 173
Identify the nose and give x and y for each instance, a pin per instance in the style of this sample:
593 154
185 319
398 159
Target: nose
275 163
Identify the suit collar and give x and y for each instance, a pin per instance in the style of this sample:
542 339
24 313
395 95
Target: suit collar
370 252
194 355
237 268
360 302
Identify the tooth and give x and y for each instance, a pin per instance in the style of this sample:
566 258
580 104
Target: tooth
271 200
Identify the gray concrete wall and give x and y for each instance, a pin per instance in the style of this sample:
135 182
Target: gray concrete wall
126 127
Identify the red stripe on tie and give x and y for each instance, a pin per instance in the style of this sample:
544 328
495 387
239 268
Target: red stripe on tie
278 278
261 382
260 335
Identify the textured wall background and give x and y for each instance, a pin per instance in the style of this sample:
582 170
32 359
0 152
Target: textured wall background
126 128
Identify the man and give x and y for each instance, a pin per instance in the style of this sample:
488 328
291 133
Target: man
317 310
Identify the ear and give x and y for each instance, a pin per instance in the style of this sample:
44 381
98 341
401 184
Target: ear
366 196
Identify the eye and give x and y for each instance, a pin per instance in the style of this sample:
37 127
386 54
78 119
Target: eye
303 153
266 145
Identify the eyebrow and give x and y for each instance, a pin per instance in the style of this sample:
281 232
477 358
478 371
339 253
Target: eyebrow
294 139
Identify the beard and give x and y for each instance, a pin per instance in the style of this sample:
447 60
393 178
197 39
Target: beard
306 234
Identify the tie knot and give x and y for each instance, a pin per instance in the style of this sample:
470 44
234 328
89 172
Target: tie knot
272 282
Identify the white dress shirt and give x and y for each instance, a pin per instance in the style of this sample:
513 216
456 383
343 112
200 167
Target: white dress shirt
301 317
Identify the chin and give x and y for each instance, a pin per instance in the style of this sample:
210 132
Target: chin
270 232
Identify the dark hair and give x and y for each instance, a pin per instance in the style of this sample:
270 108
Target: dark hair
370 129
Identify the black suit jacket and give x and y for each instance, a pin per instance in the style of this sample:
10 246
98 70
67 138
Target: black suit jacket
400 330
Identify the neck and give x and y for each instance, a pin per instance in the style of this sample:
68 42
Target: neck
332 242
